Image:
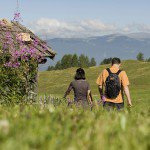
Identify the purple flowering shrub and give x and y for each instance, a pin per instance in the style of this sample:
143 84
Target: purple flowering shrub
21 52
18 69
17 17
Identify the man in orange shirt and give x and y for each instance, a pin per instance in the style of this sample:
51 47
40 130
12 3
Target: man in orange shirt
114 81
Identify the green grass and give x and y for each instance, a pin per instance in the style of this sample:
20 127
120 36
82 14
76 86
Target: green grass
39 127
56 82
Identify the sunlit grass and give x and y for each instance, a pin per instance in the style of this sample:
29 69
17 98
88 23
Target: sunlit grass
47 126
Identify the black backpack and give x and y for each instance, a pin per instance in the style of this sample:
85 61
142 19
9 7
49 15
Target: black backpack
113 86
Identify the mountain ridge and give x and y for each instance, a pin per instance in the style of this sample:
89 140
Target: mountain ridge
125 46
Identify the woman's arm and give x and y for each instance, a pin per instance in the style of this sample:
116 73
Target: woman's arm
90 97
68 90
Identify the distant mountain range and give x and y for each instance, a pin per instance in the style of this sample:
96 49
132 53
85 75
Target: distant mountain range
113 45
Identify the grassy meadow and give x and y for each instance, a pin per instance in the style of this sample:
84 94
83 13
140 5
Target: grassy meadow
47 126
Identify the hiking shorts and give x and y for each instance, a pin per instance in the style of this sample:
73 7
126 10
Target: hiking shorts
109 106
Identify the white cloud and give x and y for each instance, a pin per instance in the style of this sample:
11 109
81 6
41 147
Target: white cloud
139 27
136 27
53 28
126 29
97 25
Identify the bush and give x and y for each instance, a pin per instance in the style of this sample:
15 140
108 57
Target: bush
16 84
140 56
106 61
17 77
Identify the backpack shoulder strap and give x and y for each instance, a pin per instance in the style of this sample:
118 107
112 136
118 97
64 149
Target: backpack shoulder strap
109 71
119 71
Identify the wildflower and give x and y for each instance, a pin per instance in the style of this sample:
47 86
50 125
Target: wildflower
24 54
51 108
4 126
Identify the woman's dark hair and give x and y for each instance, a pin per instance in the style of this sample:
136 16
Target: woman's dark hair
80 74
116 61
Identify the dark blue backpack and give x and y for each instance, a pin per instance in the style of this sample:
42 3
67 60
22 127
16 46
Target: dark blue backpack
113 86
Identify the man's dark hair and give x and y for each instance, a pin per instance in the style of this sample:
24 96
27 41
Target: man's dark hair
116 61
80 74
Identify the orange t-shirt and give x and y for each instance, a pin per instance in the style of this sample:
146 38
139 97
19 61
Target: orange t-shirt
123 80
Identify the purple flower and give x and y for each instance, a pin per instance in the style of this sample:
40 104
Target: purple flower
22 53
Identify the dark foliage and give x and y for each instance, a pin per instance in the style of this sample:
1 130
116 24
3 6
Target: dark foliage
140 56
69 61
106 61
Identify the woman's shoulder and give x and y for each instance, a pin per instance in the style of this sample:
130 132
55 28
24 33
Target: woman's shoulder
75 81
85 81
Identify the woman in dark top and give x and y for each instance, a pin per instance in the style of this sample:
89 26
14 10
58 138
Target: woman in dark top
80 86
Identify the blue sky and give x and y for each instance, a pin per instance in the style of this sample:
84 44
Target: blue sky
71 16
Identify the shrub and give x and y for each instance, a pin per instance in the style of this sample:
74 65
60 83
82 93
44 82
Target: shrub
16 84
140 56
18 69
106 61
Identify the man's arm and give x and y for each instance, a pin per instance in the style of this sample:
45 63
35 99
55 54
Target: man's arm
125 83
127 92
100 82
100 88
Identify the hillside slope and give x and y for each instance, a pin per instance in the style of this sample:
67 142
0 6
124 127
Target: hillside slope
56 82
47 126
